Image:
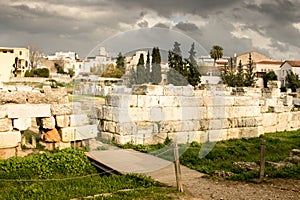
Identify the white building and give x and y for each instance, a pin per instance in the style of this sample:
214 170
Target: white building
18 57
103 58
288 66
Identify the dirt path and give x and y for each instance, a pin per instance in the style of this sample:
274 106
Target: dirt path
198 187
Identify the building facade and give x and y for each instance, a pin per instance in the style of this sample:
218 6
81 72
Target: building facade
14 62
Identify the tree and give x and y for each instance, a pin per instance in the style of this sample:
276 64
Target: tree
292 81
121 62
132 77
111 71
240 75
156 68
35 56
140 70
193 75
270 76
216 53
176 63
228 75
250 74
147 70
192 55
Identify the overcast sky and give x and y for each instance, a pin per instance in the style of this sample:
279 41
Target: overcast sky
267 26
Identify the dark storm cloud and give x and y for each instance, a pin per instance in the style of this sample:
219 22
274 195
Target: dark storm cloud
80 25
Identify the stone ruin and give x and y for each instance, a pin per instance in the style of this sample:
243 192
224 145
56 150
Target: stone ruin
147 114
49 111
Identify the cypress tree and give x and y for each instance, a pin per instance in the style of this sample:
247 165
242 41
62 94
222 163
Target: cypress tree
140 70
156 68
147 70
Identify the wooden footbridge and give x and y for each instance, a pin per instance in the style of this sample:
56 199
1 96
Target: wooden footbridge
125 161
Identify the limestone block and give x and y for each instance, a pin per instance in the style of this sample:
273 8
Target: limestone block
107 113
186 101
5 125
269 119
169 101
119 100
249 132
62 109
220 112
36 98
129 128
28 110
295 116
76 107
282 121
215 124
156 90
22 124
296 101
269 129
189 125
245 122
51 135
109 126
217 101
278 109
173 113
201 136
13 97
131 114
233 133
79 120
272 102
203 124
188 90
7 153
78 133
139 89
147 101
264 109
288 100
184 137
62 145
193 113
3 111
10 139
245 101
245 111
217 135
275 92
24 88
48 122
171 90
157 114
62 121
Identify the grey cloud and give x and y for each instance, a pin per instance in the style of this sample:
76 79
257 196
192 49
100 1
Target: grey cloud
143 24
186 26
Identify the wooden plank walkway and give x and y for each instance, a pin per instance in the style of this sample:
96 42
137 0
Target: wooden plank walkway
126 161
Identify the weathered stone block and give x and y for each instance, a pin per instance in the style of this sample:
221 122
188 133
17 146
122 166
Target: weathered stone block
5 125
62 145
62 109
186 101
220 112
217 135
62 121
288 100
78 133
7 153
3 111
201 136
147 101
28 110
79 120
249 132
22 124
129 128
169 101
48 122
109 126
10 139
245 101
157 114
51 135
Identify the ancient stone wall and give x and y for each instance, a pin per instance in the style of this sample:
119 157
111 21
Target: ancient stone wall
148 113
59 121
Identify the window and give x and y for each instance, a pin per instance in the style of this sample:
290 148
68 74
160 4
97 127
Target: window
20 53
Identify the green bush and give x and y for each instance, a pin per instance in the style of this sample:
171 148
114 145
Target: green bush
41 72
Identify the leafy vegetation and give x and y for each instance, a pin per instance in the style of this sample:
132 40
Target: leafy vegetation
40 72
293 81
270 76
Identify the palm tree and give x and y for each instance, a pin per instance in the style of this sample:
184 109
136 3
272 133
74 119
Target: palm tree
216 52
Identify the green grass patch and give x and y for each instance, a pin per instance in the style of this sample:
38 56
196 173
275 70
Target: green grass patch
68 174
225 153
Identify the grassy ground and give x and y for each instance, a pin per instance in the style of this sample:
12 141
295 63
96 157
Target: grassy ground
222 156
68 174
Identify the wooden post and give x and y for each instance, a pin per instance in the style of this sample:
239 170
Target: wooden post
177 168
262 160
